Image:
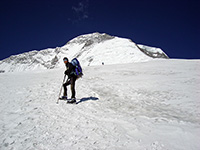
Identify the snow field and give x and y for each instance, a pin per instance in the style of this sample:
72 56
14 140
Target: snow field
144 106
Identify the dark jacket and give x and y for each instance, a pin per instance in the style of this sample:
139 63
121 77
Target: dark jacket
70 70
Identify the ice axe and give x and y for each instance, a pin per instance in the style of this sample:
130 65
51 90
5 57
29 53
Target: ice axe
61 89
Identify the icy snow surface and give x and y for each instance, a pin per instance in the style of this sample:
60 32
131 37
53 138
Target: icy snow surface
142 106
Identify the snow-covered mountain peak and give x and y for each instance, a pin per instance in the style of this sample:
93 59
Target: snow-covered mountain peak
90 38
90 49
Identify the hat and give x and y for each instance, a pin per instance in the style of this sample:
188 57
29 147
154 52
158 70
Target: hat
65 59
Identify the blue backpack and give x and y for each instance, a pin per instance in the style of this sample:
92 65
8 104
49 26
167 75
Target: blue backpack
78 70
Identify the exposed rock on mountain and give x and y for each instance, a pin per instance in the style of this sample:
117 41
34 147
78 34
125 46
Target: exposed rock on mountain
90 49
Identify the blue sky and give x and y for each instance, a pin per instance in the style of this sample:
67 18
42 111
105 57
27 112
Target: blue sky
172 25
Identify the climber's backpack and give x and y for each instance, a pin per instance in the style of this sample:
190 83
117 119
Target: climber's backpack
78 70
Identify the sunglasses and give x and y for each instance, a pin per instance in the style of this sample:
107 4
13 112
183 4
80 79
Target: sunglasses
65 60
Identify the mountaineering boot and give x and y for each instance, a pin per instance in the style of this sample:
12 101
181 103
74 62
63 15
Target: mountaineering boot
64 98
72 100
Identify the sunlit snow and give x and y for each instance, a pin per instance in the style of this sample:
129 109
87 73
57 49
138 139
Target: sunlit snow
150 105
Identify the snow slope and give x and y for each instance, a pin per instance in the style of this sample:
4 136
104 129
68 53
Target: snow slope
90 49
150 105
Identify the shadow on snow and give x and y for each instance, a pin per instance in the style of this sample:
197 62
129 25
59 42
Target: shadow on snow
87 99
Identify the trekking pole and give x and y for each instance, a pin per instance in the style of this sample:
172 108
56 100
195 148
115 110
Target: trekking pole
61 89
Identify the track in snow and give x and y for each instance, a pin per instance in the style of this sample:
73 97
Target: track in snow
152 105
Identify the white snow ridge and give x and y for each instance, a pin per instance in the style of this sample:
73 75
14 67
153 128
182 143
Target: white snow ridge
90 49
149 105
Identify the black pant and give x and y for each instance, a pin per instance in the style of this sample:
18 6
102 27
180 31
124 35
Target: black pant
71 81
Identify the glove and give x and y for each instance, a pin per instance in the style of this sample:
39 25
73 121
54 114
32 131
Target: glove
66 72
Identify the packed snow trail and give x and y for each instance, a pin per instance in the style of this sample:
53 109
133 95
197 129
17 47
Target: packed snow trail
152 105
